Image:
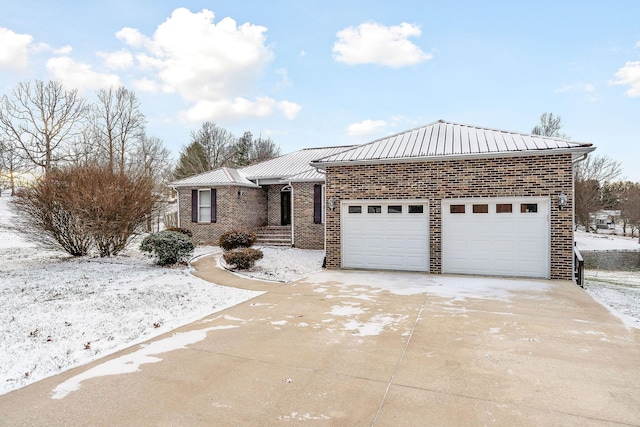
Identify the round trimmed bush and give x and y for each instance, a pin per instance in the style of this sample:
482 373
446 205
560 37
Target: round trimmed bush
169 247
242 258
237 239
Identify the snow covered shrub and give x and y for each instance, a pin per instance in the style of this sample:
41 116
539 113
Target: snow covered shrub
242 258
237 239
170 247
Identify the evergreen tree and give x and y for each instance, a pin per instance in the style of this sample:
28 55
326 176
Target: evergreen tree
193 160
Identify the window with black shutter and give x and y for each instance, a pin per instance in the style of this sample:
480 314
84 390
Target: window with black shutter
317 204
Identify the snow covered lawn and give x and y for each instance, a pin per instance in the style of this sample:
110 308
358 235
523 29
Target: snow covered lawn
58 312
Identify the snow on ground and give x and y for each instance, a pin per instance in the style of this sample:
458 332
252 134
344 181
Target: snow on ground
57 312
605 242
619 291
283 264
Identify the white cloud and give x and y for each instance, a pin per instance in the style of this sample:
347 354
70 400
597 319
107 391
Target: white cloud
119 60
146 85
215 66
366 127
79 76
373 43
14 50
132 37
629 75
289 109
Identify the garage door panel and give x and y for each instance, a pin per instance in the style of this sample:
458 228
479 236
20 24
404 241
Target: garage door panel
511 244
398 241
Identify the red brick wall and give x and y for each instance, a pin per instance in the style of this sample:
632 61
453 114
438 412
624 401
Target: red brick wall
307 235
247 211
496 177
274 204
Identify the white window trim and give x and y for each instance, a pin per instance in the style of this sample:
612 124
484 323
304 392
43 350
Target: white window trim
200 206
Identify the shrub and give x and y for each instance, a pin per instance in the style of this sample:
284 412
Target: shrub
79 208
237 239
169 247
181 230
242 258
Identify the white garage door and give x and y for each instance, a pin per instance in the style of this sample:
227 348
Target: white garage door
385 235
501 237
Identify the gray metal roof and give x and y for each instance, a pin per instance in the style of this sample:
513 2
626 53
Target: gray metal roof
443 139
288 164
310 175
216 177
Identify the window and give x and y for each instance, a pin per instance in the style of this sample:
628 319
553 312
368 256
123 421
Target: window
456 209
480 208
355 209
416 209
504 208
204 205
393 209
374 209
528 207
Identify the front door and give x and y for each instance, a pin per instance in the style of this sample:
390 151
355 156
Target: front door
285 208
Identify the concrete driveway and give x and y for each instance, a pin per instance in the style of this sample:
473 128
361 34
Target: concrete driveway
353 348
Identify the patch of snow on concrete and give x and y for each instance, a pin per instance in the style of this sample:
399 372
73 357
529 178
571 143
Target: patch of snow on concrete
451 287
130 363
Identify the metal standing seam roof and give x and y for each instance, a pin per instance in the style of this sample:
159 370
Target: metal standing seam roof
311 175
443 139
290 164
223 176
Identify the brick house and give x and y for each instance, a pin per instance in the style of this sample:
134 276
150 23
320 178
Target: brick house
281 199
440 198
452 198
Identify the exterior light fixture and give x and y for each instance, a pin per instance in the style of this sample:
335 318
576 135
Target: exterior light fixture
562 201
332 203
240 193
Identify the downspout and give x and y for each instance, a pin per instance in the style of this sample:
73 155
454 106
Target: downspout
178 199
573 211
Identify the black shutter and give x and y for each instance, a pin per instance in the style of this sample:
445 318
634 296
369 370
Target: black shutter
214 205
194 205
317 204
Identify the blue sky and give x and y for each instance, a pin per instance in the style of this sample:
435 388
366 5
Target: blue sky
324 73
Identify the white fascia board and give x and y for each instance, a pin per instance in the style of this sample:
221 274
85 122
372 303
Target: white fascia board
575 151
216 184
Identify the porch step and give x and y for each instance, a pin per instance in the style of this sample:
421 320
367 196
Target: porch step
274 235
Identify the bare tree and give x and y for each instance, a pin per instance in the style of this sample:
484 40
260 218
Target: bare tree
549 125
263 149
591 175
11 165
216 142
41 118
118 124
630 207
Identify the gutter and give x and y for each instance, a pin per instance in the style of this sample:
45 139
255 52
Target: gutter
320 165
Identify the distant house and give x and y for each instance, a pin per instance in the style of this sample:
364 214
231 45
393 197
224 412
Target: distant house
440 198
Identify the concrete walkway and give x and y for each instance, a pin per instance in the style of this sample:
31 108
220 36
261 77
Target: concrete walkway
360 349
